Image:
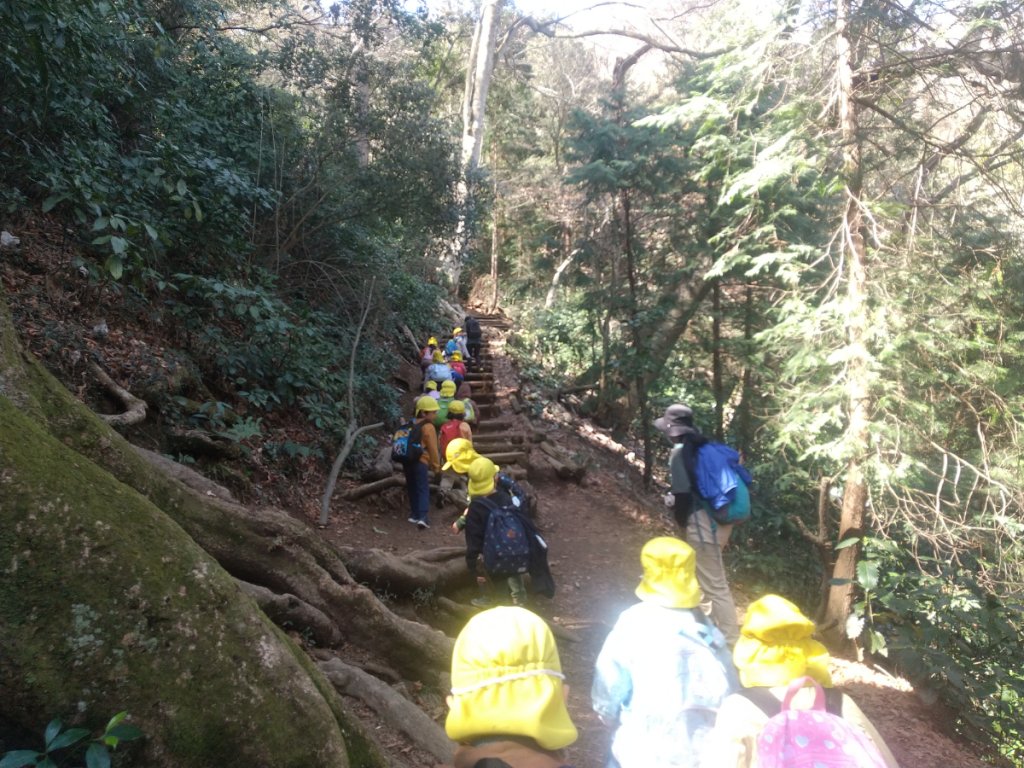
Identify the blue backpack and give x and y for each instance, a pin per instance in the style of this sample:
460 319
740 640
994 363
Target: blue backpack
506 550
406 447
723 483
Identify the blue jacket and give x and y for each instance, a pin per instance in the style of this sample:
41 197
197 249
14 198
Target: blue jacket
660 678
438 372
718 472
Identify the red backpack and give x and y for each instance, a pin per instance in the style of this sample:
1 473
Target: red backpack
449 431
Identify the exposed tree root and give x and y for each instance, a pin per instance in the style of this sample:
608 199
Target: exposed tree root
436 570
135 409
394 709
287 611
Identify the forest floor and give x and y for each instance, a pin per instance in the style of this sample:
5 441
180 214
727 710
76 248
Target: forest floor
595 528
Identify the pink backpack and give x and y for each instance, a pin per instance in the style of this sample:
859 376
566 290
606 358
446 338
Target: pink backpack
813 738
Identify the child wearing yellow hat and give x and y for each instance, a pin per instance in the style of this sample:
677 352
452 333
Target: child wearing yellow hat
447 395
430 388
458 367
485 495
465 394
417 473
507 704
427 353
776 647
664 668
438 369
489 489
457 343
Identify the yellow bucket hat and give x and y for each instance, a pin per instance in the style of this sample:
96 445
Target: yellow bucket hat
448 388
670 573
459 454
507 680
456 357
457 330
432 341
438 356
776 647
481 477
430 386
456 406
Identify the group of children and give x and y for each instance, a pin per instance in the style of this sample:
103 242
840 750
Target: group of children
443 412
442 425
665 682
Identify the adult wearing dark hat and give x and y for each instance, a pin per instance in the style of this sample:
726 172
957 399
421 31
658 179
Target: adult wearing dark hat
703 534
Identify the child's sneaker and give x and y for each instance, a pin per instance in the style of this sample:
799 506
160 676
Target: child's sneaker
481 602
422 524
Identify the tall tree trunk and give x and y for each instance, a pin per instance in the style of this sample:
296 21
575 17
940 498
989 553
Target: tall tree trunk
495 229
479 69
639 348
855 491
744 427
716 360
638 373
495 251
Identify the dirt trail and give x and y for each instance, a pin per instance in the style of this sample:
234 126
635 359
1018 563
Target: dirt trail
595 530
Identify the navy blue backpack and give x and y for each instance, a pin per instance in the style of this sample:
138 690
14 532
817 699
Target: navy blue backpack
506 550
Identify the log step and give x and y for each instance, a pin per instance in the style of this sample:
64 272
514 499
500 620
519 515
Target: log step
493 425
506 457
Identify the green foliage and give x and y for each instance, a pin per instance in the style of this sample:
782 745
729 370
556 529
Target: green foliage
952 633
556 345
274 354
116 123
71 741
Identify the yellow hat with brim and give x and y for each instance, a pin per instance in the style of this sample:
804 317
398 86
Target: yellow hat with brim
456 331
438 356
776 646
448 388
459 454
456 357
481 477
670 573
457 407
426 403
432 341
507 680
430 386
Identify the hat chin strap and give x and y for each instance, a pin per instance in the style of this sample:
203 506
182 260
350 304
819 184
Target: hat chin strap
507 678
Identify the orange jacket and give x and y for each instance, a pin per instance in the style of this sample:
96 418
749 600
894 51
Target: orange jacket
428 439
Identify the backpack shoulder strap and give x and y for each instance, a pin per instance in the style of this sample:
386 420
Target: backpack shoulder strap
834 701
771 706
763 699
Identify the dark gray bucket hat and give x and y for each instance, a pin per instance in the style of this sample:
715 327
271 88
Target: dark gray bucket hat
678 420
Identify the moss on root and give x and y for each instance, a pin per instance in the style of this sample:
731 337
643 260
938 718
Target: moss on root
107 604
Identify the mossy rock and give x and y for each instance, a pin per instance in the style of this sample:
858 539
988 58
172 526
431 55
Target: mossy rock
106 604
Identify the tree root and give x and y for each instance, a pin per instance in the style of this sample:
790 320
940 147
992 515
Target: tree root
266 546
437 570
288 612
398 712
135 409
